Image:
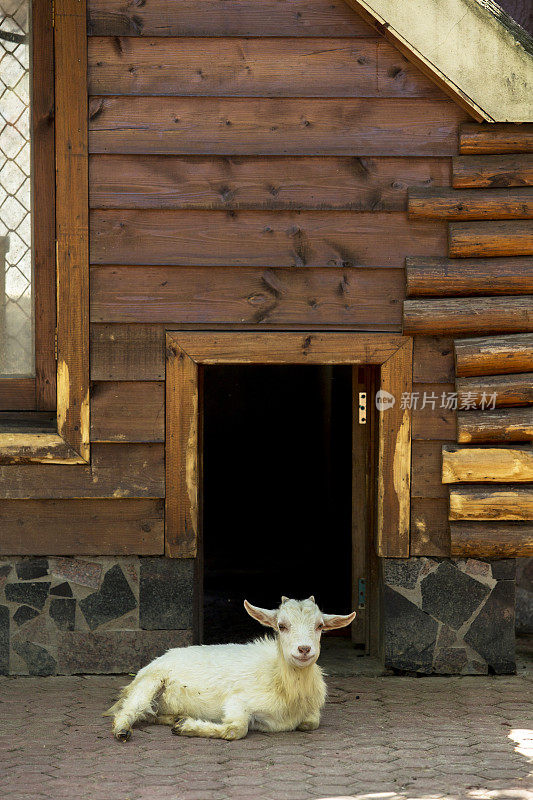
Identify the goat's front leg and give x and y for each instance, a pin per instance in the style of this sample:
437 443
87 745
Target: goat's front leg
234 725
311 723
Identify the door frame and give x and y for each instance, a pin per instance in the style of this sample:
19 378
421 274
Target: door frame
187 352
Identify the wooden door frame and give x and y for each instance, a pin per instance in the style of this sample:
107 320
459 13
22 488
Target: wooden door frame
188 351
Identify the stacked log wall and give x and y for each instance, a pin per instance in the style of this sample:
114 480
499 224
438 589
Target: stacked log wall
485 286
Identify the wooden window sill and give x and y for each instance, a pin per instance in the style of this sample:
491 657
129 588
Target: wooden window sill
33 439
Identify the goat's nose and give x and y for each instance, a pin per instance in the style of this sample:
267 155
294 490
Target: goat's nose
304 649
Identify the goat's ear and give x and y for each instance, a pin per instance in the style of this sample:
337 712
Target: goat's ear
337 620
262 615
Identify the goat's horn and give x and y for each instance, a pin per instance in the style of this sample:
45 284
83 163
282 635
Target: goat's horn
312 598
284 599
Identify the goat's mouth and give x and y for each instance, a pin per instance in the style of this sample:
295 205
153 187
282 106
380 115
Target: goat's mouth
304 659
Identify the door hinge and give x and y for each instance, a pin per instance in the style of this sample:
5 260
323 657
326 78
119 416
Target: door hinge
361 593
53 14
362 408
55 344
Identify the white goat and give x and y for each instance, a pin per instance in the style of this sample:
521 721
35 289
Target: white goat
221 691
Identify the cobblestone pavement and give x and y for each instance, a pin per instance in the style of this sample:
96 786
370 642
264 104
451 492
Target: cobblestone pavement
382 738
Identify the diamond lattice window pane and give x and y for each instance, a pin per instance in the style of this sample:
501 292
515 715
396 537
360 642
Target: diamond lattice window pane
16 296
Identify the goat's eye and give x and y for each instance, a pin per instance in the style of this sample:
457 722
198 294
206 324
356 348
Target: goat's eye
320 626
282 626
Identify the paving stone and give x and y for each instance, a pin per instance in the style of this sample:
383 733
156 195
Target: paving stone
477 568
166 593
492 632
32 594
38 660
402 572
69 739
30 568
451 596
450 660
114 599
504 569
4 640
114 651
63 612
410 634
77 571
62 590
24 614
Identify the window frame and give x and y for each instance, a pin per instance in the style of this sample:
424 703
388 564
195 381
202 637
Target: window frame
20 393
29 438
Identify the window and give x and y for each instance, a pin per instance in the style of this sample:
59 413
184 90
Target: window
60 244
27 226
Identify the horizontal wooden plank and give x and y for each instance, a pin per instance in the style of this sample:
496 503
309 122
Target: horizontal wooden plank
433 415
491 355
499 138
128 411
260 183
224 18
498 390
284 347
468 315
502 425
81 527
433 359
491 539
466 204
430 532
486 464
495 238
446 277
127 352
115 471
426 470
479 172
501 502
260 239
238 67
358 298
273 126
17 394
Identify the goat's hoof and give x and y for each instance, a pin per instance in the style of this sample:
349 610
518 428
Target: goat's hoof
178 725
123 735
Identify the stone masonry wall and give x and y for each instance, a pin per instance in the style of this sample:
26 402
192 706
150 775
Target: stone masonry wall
524 596
449 616
104 615
92 615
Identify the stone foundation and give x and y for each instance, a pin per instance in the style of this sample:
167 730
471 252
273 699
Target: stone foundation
524 596
61 616
449 616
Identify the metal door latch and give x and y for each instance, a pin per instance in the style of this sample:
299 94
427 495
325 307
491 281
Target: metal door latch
361 593
362 408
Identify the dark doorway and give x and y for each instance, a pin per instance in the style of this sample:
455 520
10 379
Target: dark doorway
277 498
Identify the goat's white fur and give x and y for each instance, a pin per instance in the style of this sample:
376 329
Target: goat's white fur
221 691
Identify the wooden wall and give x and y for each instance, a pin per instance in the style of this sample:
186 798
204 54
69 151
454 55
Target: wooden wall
482 295
249 167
